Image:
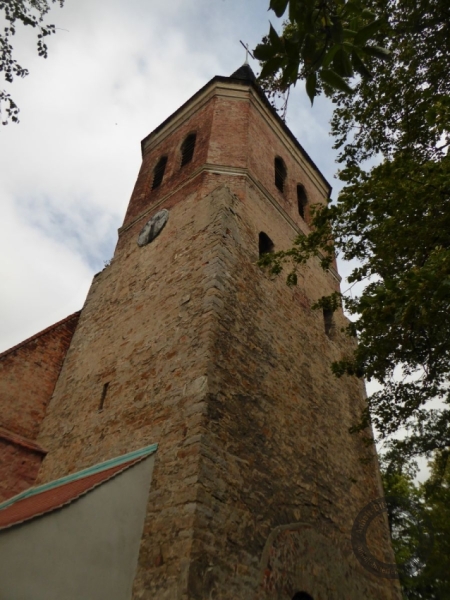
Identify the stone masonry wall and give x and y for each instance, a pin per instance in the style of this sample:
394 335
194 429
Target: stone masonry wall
187 343
146 330
277 451
257 329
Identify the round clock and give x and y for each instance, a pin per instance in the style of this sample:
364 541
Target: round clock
153 227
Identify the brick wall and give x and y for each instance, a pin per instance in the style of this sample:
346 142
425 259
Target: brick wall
28 374
277 451
143 196
19 464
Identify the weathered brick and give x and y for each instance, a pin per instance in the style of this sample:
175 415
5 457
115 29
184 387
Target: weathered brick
228 369
19 465
28 373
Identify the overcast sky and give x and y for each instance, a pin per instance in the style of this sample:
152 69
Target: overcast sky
116 69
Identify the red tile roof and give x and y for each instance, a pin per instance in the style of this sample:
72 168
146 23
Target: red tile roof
46 498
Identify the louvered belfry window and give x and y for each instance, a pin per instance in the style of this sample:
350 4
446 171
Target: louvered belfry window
280 173
302 201
158 172
187 149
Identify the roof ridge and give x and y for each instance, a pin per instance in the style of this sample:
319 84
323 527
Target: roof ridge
70 499
20 440
39 334
55 495
98 468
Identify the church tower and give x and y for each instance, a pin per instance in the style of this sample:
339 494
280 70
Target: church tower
184 342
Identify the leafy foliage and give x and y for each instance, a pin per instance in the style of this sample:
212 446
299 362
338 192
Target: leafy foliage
29 13
419 518
324 42
394 217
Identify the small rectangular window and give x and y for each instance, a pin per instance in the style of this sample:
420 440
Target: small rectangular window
302 201
265 244
103 396
158 172
280 173
187 149
328 321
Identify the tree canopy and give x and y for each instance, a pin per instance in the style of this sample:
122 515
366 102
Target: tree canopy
325 43
419 519
391 124
29 13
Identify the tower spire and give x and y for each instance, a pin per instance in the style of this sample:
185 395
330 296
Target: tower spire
245 71
247 52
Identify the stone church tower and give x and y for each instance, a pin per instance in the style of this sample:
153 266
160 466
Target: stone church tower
198 388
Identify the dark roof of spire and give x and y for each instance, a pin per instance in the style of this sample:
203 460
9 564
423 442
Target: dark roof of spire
245 72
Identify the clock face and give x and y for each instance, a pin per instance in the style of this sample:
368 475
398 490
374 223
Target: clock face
153 227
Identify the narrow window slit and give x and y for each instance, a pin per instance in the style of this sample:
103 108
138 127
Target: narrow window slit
265 244
302 596
280 173
302 201
158 172
187 149
328 321
102 399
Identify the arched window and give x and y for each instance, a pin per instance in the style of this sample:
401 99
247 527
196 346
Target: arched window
265 244
302 201
158 172
187 149
302 596
280 173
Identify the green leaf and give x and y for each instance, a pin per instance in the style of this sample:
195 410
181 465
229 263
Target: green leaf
377 51
349 33
309 49
264 52
342 64
272 66
278 7
311 86
330 55
290 73
275 40
368 13
294 10
368 32
360 67
337 31
351 8
292 46
335 81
